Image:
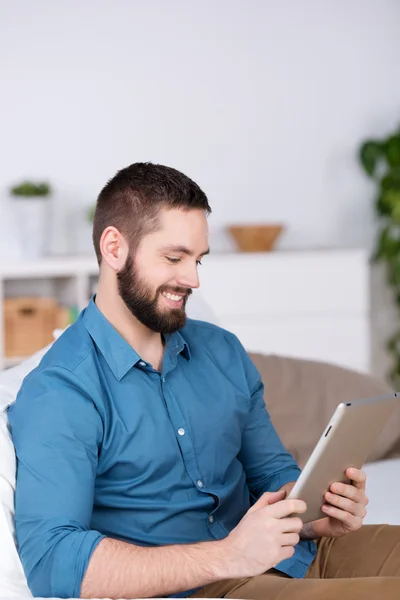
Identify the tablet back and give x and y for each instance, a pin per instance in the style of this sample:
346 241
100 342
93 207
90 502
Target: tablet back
346 442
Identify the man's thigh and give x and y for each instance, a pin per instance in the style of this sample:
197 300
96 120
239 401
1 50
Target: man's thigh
365 564
272 587
373 551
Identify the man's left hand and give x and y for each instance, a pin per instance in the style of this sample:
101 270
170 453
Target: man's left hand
345 508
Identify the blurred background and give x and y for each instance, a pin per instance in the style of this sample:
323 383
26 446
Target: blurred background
287 115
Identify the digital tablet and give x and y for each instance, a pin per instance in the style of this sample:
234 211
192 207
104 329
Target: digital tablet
346 442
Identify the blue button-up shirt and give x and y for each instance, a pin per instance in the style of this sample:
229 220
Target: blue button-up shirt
108 446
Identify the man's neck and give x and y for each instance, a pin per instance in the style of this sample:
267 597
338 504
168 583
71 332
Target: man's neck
148 344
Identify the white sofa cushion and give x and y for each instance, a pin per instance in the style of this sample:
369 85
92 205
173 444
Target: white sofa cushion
12 579
383 491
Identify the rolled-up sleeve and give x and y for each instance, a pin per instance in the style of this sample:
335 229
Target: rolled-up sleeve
57 432
267 463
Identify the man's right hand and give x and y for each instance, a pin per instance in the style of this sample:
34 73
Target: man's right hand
264 537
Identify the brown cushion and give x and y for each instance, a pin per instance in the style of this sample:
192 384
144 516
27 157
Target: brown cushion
301 396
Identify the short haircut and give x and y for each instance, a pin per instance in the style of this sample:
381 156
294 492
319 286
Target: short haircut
133 198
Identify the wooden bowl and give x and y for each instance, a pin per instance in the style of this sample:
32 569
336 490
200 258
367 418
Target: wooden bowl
255 238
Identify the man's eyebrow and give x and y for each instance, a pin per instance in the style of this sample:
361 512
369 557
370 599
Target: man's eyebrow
182 250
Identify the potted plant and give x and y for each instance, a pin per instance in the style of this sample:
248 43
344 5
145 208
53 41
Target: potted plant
380 160
32 215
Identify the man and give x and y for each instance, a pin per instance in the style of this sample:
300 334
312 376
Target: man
147 463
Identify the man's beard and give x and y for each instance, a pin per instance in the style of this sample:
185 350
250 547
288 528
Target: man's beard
143 303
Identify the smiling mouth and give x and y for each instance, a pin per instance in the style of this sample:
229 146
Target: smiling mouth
174 297
174 301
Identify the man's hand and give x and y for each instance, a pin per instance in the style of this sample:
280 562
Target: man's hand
264 537
345 508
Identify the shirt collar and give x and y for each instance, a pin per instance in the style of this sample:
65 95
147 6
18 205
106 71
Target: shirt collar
120 356
176 344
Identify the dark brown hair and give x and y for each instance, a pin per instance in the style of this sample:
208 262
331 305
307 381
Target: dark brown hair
132 199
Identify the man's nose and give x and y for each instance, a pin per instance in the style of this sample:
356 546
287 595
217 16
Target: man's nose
189 276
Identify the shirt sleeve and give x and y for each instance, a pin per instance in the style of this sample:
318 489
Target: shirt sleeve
57 433
267 463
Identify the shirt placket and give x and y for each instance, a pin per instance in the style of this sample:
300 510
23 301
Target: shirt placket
182 435
185 441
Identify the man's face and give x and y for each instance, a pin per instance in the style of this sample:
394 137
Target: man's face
156 282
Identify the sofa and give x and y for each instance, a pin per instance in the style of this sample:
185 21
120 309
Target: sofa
300 395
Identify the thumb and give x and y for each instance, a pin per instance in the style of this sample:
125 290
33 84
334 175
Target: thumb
266 499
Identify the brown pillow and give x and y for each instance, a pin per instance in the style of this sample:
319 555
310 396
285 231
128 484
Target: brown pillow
301 396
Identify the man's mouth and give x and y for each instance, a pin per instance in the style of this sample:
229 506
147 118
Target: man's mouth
174 300
173 297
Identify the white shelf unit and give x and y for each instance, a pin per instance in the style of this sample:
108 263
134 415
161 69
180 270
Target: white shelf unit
308 304
69 279
312 304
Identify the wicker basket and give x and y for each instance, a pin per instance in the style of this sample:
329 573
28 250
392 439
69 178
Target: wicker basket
255 238
29 324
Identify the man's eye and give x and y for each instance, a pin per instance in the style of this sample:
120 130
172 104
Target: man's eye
173 260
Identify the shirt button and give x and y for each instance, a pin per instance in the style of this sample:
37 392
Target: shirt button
211 519
163 379
142 364
200 483
181 431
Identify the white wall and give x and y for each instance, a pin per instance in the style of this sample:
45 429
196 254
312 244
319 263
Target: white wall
263 103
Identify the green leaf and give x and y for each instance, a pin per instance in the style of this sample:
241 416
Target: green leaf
389 205
392 150
370 154
382 208
395 276
380 246
388 247
391 179
396 207
29 189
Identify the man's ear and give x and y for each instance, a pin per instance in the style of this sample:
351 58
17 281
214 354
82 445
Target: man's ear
114 248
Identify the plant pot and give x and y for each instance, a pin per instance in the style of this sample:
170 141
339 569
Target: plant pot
32 221
255 238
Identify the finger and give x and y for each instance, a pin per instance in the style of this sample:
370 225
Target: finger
291 525
351 521
267 499
348 491
286 508
290 539
358 477
285 553
354 508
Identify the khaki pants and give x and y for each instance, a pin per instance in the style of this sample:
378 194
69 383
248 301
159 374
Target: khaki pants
359 566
